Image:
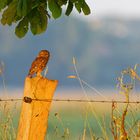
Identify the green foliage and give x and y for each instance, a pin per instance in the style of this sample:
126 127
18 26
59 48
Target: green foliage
78 6
3 3
55 8
9 14
69 8
34 14
85 8
38 20
23 7
22 27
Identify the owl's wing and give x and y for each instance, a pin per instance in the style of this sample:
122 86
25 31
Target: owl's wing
38 65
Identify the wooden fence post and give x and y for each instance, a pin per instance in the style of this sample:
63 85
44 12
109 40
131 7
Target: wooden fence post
34 113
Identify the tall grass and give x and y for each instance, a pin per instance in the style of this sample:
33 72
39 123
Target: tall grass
83 121
7 112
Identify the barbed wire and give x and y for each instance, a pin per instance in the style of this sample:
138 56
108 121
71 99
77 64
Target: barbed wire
29 100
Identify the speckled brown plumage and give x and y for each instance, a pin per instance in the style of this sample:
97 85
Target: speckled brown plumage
39 64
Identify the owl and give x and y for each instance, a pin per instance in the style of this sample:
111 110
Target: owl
39 64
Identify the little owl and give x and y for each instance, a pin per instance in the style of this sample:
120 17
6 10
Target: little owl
39 64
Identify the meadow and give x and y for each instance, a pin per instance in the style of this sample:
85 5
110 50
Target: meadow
109 117
74 121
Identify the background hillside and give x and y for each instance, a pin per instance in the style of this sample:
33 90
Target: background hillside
102 47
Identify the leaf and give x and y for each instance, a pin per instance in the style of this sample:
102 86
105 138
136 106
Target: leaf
73 1
69 8
78 6
85 8
22 27
9 14
38 21
19 10
37 3
3 4
61 2
54 8
23 7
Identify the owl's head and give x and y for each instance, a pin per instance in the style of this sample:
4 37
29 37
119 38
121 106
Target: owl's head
44 53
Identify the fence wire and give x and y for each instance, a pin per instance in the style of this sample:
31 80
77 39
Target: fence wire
29 100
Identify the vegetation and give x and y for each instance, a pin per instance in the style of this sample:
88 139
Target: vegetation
90 121
34 14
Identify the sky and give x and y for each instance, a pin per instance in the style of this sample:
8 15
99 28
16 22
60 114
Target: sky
123 8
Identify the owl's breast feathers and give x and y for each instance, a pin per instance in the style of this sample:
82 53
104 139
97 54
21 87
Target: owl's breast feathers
38 65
